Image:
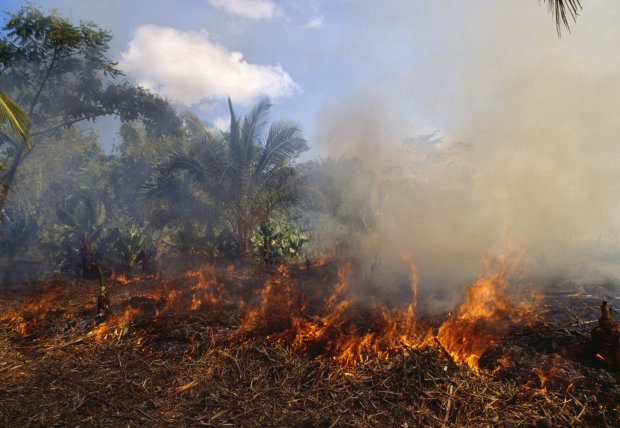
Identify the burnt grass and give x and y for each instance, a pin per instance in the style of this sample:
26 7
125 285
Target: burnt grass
170 366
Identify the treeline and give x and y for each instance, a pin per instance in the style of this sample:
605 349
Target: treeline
173 192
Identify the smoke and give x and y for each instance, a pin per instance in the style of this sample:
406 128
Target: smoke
528 141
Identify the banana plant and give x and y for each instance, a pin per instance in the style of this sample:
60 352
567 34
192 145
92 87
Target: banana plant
84 222
277 240
130 245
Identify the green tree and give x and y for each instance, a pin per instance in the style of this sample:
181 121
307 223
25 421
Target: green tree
61 76
239 177
258 169
72 164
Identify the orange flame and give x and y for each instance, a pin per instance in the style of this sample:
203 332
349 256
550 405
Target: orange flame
275 308
351 332
207 290
484 318
122 278
115 326
31 316
544 378
338 321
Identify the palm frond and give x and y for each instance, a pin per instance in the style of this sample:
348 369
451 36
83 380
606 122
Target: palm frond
254 125
282 187
214 156
194 128
562 9
15 117
172 199
234 139
284 143
246 135
180 160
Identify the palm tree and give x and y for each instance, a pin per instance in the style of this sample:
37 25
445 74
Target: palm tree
240 176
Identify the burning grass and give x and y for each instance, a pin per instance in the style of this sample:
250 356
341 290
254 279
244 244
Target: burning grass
294 347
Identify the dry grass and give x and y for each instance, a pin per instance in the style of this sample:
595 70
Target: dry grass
183 371
258 384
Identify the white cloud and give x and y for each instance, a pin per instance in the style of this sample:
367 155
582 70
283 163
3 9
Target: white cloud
190 69
316 22
254 9
221 123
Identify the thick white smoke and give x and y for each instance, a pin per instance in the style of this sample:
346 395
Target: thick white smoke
529 140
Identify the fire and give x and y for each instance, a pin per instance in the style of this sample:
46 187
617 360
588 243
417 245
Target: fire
196 303
350 328
322 261
504 362
207 291
274 310
544 378
121 278
166 300
116 326
338 319
169 305
192 273
344 272
30 318
484 318
351 331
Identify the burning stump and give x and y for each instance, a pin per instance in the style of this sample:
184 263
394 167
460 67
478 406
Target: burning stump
606 339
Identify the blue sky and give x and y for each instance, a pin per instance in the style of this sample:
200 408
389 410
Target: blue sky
412 66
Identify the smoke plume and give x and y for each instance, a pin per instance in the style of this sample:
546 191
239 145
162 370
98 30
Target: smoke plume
526 141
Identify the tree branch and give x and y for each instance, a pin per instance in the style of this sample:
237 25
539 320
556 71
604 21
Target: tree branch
43 82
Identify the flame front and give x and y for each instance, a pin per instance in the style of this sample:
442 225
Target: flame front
352 332
317 314
485 317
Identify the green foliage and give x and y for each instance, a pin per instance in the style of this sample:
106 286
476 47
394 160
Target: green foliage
277 240
20 233
20 258
208 193
60 74
129 249
81 239
230 182
72 164
13 116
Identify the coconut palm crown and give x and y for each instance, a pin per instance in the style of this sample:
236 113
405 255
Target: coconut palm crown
234 179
